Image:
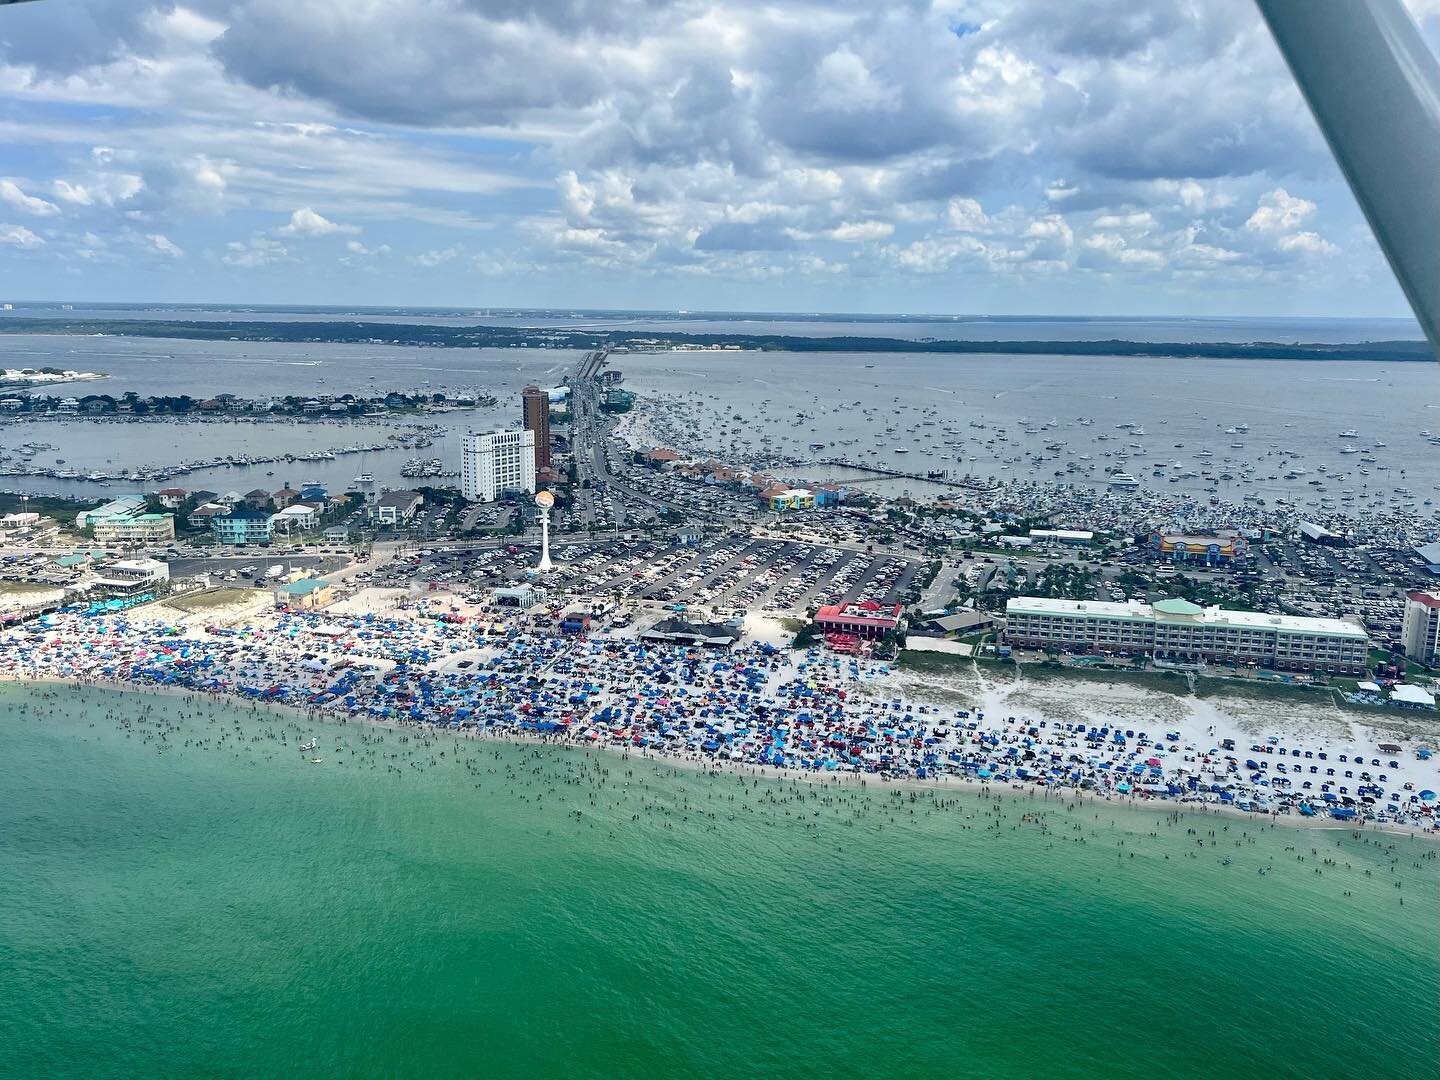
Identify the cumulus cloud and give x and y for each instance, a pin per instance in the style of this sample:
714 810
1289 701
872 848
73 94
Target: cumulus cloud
306 222
744 140
12 196
860 232
255 253
1280 217
19 236
1280 212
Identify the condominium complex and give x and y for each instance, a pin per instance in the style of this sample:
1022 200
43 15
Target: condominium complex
243 525
1179 630
133 528
1420 632
535 405
492 465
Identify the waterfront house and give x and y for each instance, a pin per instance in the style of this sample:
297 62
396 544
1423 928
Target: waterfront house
297 517
202 515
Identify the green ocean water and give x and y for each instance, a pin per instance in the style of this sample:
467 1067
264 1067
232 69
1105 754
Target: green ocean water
182 894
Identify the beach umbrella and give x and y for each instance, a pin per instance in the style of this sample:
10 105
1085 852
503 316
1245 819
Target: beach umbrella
1427 795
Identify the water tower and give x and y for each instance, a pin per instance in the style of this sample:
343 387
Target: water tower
545 501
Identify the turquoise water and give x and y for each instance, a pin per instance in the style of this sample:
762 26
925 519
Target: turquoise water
182 894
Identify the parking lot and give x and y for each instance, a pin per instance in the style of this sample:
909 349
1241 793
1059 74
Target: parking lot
728 573
253 567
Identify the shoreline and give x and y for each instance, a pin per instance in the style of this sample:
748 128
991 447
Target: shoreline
717 767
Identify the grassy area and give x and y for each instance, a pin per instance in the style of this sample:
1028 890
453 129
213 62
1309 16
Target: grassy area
1380 656
209 601
939 663
61 510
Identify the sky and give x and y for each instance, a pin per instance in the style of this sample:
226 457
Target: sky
1135 157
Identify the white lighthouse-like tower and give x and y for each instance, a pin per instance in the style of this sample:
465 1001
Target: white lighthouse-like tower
544 500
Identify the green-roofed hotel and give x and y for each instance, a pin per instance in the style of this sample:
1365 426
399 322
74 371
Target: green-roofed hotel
1179 630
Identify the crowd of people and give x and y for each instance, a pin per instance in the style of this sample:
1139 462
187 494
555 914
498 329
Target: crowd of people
755 705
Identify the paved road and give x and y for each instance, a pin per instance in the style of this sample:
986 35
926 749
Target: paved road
590 433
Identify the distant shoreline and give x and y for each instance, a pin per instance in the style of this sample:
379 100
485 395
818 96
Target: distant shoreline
25 378
481 336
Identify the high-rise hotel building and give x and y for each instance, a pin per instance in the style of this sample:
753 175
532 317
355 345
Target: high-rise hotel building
1420 632
492 465
535 405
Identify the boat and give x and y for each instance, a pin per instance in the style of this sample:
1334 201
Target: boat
1122 480
1349 433
316 760
305 748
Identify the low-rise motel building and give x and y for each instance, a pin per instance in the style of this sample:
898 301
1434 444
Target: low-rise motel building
1181 631
1218 550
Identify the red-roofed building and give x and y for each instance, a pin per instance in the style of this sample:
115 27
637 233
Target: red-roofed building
660 457
867 620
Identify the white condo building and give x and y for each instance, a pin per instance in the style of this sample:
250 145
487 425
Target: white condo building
1420 632
492 465
1179 630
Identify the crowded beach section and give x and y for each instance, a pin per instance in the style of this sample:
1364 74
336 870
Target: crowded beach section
483 672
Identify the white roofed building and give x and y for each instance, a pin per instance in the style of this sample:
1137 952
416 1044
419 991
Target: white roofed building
1179 630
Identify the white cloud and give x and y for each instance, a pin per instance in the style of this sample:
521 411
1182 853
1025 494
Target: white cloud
19 236
435 258
11 195
860 232
257 252
1279 217
306 222
1307 243
163 245
966 215
1280 212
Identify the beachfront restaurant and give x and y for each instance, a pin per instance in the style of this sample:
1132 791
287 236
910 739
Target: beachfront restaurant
305 594
867 621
